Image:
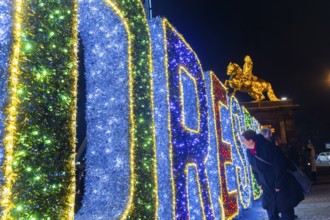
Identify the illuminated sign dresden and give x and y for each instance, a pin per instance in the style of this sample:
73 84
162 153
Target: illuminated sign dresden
163 135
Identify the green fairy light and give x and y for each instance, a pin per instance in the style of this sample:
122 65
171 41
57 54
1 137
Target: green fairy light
28 47
20 91
19 208
21 153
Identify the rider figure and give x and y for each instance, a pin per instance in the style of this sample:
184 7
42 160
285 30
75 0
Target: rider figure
247 70
244 80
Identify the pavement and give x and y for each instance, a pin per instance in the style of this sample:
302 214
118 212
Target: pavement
316 205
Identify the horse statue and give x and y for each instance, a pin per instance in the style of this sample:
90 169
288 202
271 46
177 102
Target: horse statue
249 83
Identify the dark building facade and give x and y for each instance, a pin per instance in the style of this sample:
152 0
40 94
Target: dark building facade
278 116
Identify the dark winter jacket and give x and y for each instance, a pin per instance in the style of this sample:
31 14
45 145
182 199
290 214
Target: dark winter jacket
274 176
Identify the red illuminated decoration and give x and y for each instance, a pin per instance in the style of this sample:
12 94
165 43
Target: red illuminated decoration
228 199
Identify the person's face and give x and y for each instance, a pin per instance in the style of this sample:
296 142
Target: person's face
309 146
268 135
249 144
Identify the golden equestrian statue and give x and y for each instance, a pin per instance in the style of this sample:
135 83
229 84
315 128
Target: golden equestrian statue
245 81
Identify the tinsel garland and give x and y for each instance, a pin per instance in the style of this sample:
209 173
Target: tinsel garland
40 124
252 123
118 61
189 145
107 182
186 162
240 157
161 119
5 43
223 133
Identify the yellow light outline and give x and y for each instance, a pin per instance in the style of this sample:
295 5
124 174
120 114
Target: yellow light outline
10 128
183 122
69 213
194 166
164 22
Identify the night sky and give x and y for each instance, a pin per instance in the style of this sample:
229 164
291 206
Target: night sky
288 41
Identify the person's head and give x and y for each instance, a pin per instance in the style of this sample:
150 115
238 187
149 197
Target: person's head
248 59
267 133
248 138
310 145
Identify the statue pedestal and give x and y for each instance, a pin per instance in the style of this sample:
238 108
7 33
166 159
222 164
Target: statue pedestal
278 116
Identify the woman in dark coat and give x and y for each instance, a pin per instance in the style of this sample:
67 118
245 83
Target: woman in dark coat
281 191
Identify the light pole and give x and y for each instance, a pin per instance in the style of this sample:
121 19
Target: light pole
148 8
